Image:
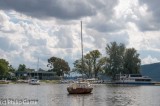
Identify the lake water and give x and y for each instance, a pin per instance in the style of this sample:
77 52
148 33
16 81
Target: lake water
102 95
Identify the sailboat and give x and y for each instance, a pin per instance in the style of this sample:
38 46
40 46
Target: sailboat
35 81
81 86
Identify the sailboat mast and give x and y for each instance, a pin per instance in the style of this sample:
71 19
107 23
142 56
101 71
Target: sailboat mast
82 49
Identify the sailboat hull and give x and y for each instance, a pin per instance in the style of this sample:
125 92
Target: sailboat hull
79 90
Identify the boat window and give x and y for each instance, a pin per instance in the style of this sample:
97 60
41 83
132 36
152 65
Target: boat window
142 79
134 75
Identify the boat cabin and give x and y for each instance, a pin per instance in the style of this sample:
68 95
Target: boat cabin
132 78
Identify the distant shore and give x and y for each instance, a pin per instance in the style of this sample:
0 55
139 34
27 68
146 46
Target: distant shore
26 81
60 82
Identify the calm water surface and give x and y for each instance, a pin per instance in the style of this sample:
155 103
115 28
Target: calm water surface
102 95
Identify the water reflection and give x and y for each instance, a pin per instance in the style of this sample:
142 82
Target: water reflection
103 95
78 99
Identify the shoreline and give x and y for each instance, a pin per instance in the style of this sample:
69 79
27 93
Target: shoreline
60 82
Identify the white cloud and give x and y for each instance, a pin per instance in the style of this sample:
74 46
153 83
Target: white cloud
149 60
24 39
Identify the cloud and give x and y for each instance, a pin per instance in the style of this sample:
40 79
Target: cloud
153 7
71 9
149 56
33 39
106 25
147 13
32 29
3 18
5 26
6 45
144 13
120 37
149 60
104 20
64 38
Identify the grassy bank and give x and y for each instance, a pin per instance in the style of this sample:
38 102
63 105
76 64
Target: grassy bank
51 81
4 82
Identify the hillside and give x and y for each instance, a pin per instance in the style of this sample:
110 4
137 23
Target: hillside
151 70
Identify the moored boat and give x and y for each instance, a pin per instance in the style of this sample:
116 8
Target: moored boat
137 79
80 88
34 82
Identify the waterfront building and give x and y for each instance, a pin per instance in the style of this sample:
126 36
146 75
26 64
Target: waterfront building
41 75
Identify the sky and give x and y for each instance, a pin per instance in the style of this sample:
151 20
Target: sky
39 29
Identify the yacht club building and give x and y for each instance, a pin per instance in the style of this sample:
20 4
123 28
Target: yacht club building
41 75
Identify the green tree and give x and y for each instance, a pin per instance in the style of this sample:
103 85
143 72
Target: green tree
21 67
11 69
78 67
132 61
3 68
58 65
88 65
121 60
100 66
93 64
115 54
95 55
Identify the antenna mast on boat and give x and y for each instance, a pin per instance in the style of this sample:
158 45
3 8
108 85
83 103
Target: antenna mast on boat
82 49
36 75
38 64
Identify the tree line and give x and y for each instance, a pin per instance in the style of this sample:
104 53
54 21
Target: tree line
118 59
7 69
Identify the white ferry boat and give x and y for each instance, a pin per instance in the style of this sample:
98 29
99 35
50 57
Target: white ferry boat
133 79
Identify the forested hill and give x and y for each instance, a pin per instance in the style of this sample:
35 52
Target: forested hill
151 70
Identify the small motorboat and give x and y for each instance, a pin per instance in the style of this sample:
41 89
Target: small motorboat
34 82
80 88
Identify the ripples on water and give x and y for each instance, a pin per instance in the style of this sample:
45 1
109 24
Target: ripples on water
102 95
